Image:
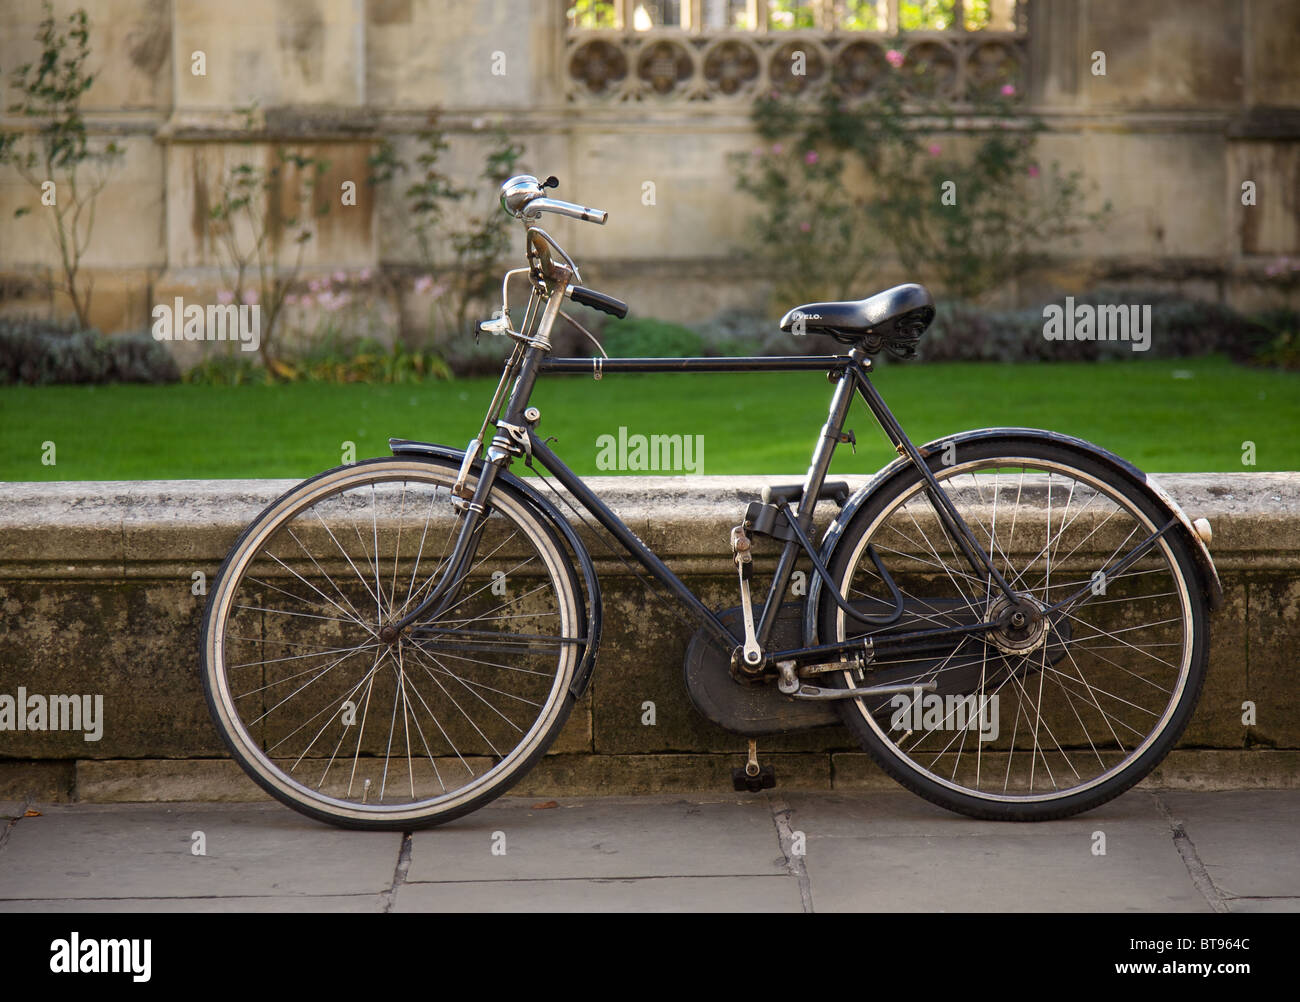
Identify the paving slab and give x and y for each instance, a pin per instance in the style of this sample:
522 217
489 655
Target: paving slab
659 836
895 852
301 904
898 812
654 894
695 852
144 851
1007 873
1265 863
1275 906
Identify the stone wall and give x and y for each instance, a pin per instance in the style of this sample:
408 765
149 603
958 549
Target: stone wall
96 597
1199 96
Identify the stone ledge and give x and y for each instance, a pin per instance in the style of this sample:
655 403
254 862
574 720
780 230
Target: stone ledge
221 780
125 526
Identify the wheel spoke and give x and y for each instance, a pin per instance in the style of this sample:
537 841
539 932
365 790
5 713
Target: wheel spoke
1083 690
304 603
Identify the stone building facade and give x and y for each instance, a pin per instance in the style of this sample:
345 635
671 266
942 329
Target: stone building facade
1199 96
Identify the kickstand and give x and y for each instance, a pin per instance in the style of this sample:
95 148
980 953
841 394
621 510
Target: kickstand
753 777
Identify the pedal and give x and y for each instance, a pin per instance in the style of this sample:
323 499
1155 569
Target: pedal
742 782
753 778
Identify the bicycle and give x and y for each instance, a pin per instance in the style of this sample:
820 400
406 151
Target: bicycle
393 643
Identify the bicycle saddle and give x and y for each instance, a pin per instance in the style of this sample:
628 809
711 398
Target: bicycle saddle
894 319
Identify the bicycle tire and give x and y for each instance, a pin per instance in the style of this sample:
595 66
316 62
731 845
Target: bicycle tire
884 730
424 689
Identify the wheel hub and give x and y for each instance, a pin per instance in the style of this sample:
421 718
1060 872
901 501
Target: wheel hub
1022 627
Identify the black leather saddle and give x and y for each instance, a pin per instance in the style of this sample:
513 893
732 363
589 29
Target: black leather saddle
894 320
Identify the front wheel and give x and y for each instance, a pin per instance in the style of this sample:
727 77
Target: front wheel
337 719
1051 717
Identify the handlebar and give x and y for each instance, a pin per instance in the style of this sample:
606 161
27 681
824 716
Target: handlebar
522 196
539 205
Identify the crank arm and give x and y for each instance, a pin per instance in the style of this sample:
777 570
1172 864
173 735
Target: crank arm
815 693
752 652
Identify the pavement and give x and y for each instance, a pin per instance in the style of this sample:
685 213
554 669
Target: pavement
1148 851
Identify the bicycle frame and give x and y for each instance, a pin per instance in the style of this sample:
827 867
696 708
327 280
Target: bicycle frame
517 437
513 422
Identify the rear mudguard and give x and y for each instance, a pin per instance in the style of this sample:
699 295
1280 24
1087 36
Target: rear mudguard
550 514
1120 467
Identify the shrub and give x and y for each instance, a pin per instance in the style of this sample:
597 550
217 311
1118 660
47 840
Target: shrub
840 180
1282 348
645 336
749 331
38 352
1180 328
965 332
365 361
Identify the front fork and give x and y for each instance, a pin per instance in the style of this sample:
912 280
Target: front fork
510 440
473 513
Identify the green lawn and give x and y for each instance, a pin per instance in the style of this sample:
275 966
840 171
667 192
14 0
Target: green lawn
1162 415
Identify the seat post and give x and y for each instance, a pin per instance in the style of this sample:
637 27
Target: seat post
841 400
830 437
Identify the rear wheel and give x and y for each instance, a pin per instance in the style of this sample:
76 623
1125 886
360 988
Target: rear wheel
1062 709
344 725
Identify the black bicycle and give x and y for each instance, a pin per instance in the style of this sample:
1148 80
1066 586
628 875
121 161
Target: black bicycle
1012 622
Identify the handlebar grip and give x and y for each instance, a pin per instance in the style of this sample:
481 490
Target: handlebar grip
598 301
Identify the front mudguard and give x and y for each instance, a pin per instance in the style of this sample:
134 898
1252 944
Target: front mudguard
1120 467
549 513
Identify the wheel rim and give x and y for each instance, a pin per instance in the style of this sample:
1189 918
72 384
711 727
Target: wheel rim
330 715
1070 710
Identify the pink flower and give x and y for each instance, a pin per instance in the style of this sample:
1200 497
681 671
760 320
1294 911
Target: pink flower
365 274
423 284
306 302
1008 90
340 276
225 297
805 227
811 157
777 148
316 284
895 58
935 149
290 300
250 297
1033 170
